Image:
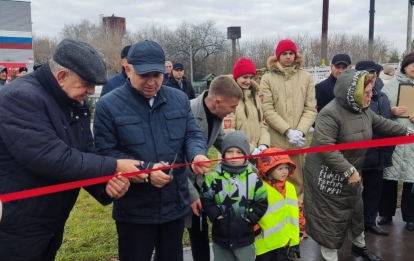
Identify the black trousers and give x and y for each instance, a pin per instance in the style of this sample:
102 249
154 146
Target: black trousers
137 241
274 255
389 196
200 246
371 195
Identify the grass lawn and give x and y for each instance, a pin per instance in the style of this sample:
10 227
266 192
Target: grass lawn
90 233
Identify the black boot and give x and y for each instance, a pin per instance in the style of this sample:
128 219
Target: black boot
384 220
364 253
409 226
376 230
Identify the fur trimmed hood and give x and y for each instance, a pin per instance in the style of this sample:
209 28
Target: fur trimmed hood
273 64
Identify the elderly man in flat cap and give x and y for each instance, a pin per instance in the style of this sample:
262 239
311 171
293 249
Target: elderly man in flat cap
45 139
153 123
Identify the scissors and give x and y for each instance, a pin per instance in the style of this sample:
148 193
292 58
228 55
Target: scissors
170 172
146 180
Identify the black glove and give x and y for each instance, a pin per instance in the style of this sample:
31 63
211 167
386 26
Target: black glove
292 252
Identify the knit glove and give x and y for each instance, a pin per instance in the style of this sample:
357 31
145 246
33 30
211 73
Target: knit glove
262 147
293 252
256 151
296 138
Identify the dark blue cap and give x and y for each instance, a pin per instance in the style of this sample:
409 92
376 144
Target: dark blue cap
147 56
178 66
365 65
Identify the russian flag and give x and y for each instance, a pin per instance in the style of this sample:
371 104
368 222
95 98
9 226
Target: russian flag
15 42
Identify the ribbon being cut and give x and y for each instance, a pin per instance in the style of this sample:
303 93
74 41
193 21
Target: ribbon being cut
88 182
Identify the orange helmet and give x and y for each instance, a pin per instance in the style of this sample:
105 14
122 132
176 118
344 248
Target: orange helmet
266 163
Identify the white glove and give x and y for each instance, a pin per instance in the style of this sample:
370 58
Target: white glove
256 151
296 138
262 147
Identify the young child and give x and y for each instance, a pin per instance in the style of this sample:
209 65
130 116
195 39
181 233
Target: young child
283 224
234 198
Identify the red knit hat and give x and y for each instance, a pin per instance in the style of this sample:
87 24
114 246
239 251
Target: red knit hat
243 66
285 45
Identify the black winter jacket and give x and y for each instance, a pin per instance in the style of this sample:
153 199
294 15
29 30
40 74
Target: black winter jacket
379 158
187 87
45 139
325 92
125 126
115 81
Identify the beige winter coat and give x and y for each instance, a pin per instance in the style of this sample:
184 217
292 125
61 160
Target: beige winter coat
251 124
288 100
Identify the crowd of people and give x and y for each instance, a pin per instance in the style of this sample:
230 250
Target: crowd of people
148 117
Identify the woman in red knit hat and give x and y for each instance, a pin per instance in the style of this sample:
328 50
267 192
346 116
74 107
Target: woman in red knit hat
289 105
248 116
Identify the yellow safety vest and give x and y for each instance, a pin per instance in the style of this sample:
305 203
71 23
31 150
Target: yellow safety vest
280 224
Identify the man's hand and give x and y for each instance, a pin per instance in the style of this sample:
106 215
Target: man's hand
117 186
158 178
201 167
398 110
354 178
196 206
127 166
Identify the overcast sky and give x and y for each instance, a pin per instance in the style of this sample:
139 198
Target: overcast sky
257 18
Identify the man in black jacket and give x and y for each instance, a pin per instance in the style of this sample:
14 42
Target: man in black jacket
118 79
324 89
179 82
45 139
376 159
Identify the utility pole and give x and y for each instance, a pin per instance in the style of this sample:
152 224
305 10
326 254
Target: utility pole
191 62
409 26
324 45
371 30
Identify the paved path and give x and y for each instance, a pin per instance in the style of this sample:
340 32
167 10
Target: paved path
398 246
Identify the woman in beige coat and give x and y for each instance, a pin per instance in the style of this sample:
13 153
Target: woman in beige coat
248 116
289 105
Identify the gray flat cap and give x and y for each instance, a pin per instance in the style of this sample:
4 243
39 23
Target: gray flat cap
82 59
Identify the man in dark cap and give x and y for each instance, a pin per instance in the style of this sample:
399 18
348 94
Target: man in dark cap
324 89
147 121
22 71
376 159
118 79
45 139
179 81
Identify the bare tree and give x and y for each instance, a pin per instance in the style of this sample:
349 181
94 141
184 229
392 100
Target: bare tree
205 41
43 48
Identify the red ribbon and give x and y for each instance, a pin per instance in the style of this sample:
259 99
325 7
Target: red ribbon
88 182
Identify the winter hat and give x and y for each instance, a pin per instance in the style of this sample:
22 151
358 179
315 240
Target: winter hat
267 163
243 66
366 65
286 45
388 69
236 139
22 69
81 58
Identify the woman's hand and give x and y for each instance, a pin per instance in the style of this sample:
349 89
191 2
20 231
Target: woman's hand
400 110
411 118
354 178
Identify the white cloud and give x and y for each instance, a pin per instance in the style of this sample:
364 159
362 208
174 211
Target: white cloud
258 19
